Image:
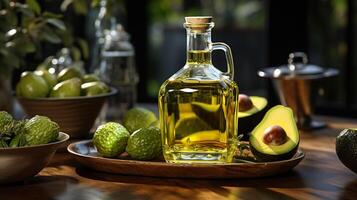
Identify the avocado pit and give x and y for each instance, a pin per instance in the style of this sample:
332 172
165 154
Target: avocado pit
245 103
274 135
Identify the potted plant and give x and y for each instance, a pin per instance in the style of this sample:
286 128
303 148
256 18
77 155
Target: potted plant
23 26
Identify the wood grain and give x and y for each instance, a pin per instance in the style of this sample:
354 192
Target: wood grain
319 176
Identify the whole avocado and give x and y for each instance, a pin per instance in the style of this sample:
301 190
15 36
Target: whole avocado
67 88
94 88
32 85
40 130
68 73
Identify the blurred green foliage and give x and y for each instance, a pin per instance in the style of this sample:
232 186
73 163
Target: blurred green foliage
23 26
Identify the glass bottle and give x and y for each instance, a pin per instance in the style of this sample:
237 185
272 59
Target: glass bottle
117 68
198 105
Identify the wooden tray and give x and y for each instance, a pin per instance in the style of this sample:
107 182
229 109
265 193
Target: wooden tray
86 154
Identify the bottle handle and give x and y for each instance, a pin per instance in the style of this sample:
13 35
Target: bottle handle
229 57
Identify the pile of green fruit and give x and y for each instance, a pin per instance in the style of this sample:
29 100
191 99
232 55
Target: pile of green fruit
18 133
139 136
69 82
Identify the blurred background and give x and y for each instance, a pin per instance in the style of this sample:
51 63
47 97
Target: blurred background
261 34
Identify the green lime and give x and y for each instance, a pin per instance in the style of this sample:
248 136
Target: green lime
94 88
145 144
90 78
68 73
32 85
110 139
68 88
50 79
137 118
40 130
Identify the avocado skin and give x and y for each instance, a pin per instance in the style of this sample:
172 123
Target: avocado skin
346 148
248 123
262 157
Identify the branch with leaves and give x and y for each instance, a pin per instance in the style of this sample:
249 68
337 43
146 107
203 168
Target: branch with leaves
22 27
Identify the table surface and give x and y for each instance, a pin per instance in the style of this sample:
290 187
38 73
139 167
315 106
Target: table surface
319 176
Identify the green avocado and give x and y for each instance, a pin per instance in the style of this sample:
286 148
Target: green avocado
249 118
346 148
32 85
68 73
90 78
276 137
94 88
68 88
50 79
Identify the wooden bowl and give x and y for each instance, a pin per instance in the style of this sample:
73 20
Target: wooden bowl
20 163
75 115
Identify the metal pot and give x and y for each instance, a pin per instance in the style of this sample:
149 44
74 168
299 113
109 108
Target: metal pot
292 82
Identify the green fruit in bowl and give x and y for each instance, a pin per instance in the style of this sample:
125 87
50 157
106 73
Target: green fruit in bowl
50 79
40 130
68 88
94 88
110 139
137 118
32 85
90 78
6 122
145 144
68 73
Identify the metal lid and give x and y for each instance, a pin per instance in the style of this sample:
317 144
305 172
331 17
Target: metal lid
117 39
297 68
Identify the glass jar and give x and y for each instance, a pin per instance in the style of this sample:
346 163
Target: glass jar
198 105
117 68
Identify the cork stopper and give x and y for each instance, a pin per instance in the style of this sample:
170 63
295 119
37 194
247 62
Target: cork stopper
199 24
198 19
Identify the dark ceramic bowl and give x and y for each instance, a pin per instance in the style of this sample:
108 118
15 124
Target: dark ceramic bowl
17 164
75 115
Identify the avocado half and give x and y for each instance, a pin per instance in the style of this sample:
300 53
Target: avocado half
248 119
278 127
346 148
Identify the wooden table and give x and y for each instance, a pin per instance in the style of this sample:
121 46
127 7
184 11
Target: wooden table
319 176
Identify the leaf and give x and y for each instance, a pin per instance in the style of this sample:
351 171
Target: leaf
11 60
33 4
24 45
65 4
84 47
51 15
26 10
57 23
95 3
48 35
76 53
80 7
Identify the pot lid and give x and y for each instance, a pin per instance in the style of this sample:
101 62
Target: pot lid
297 68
